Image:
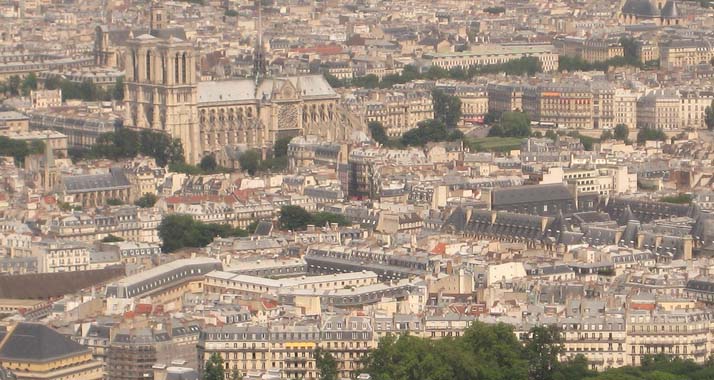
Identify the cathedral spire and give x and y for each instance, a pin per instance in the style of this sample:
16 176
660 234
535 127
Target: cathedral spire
259 66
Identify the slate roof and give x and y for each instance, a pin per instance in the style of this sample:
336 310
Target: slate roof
245 89
49 285
640 8
670 10
115 179
264 228
36 342
530 194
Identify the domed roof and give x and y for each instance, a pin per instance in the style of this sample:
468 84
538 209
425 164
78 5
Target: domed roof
640 8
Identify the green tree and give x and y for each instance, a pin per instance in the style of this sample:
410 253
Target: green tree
53 82
542 347
13 85
376 129
208 163
147 200
606 135
36 147
709 116
179 230
430 131
29 84
111 239
621 132
367 81
326 365
249 161
679 199
214 369
118 89
322 218
648 134
294 218
333 81
235 374
447 108
230 13
280 148
17 149
512 124
114 202
551 134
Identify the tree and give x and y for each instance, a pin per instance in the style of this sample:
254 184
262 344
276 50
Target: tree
326 365
249 161
118 89
323 218
621 132
146 201
179 230
512 124
208 163
606 135
13 85
648 134
111 239
376 129
29 84
709 116
447 108
114 202
550 134
367 81
214 369
235 374
280 148
678 199
430 131
230 13
542 347
294 218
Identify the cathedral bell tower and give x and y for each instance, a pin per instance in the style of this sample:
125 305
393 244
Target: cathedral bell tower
158 17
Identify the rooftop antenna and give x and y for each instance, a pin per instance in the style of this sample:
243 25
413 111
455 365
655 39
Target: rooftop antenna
259 54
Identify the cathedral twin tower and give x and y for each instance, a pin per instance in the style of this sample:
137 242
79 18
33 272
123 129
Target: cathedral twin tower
163 93
161 84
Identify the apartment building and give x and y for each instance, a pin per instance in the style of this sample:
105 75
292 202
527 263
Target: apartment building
230 283
483 55
397 111
682 333
291 346
60 256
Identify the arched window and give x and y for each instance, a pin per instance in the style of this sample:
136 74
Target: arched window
176 69
134 65
163 69
183 67
148 65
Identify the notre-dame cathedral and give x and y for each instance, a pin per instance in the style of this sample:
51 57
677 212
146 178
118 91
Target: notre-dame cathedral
162 93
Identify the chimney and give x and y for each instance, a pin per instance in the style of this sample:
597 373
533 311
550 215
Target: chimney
159 371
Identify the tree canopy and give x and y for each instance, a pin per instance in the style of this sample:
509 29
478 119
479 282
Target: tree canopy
649 134
621 132
179 230
430 131
147 200
447 108
296 218
214 368
492 352
512 124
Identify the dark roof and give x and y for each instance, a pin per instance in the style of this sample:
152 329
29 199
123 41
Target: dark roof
52 285
36 342
264 228
670 10
640 8
530 194
115 179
